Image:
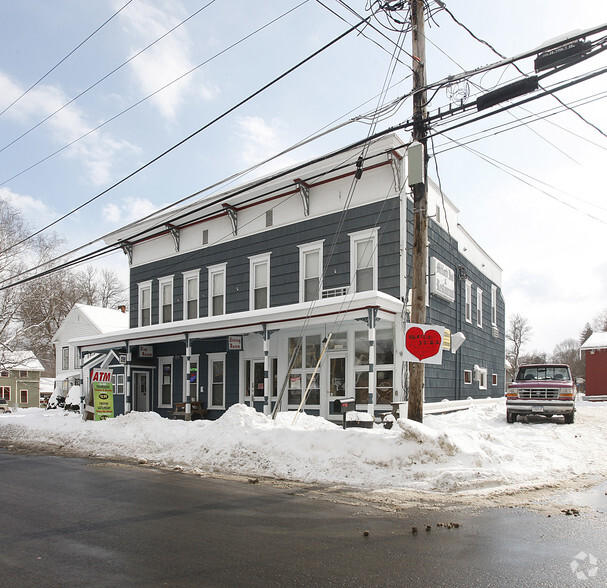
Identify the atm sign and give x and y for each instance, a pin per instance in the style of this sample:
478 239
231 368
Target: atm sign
101 376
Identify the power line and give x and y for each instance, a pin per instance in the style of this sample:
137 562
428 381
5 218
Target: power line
192 135
66 57
105 77
139 102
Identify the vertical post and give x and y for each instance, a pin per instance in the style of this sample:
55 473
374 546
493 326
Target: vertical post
129 390
420 205
266 370
186 384
372 354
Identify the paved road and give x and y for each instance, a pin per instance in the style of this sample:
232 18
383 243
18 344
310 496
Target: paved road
75 522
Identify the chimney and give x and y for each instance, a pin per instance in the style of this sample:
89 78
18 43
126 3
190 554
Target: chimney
122 308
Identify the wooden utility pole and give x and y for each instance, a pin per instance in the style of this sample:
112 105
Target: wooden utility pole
420 207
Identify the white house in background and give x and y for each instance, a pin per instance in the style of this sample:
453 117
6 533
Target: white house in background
82 321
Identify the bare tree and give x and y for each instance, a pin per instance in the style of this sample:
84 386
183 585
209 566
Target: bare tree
599 323
585 334
533 357
568 351
518 333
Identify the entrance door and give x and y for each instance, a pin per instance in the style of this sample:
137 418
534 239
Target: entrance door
141 391
338 384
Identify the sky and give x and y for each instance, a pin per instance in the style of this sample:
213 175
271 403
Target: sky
471 455
109 105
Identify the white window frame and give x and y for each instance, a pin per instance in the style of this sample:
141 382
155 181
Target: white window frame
162 361
494 379
214 357
355 239
161 283
304 250
65 358
142 287
193 359
479 308
494 305
220 271
468 301
187 276
482 378
467 377
254 261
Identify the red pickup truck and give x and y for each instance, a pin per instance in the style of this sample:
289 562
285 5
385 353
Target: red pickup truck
541 389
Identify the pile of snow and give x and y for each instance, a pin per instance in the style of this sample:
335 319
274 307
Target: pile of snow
472 452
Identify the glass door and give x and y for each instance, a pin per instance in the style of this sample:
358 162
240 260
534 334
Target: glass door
337 380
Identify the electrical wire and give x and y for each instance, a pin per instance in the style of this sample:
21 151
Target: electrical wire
62 60
195 133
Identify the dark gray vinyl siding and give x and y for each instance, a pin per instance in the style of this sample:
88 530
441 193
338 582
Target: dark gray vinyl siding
282 243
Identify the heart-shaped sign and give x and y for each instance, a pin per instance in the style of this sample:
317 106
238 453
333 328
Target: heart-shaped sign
422 344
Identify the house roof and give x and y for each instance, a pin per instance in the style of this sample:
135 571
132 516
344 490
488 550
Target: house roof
20 360
596 341
105 319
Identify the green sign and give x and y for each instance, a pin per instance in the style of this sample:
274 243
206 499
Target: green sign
103 395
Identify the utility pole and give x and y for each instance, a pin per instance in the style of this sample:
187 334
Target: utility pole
420 206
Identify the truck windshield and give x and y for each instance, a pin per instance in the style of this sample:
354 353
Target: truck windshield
543 372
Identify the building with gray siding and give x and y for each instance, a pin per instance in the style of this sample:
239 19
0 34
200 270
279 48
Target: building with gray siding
235 298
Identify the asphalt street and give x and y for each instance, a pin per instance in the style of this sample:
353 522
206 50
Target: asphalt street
77 522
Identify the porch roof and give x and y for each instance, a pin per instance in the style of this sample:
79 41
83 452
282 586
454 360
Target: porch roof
349 307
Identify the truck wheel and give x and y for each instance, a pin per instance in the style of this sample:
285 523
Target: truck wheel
569 418
510 417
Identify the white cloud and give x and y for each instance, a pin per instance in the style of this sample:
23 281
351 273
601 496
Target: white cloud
96 153
33 210
128 210
144 22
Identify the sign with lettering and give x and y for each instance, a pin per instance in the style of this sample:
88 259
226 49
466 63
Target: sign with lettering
424 343
101 376
442 280
235 343
103 398
146 351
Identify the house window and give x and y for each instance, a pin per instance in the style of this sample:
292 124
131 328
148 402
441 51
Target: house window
217 290
165 385
259 276
494 379
494 305
191 290
482 378
363 260
145 304
467 376
479 307
4 374
119 388
23 373
65 358
307 351
23 396
192 377
310 271
217 382
5 392
468 301
166 299
384 367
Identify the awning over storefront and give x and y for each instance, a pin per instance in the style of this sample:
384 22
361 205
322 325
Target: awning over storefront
350 307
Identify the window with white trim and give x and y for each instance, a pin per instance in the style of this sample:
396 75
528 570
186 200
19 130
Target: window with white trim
191 289
118 382
217 289
479 307
166 299
493 305
310 271
259 280
145 304
65 358
5 392
363 260
165 382
494 380
23 396
467 376
217 380
482 378
192 377
307 352
468 301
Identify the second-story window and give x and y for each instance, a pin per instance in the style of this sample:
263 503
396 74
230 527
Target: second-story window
259 296
493 305
468 301
166 299
145 304
310 271
190 294
363 260
65 358
217 289
479 307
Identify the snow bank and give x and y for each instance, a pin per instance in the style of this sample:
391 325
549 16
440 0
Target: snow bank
472 451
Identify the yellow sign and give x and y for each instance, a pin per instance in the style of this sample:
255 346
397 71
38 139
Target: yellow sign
447 340
103 395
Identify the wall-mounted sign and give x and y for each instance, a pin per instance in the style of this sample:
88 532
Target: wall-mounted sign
101 375
442 280
235 342
146 351
424 343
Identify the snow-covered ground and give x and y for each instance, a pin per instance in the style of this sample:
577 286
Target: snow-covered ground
470 453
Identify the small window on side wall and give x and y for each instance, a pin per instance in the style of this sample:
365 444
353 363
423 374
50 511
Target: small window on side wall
467 376
494 379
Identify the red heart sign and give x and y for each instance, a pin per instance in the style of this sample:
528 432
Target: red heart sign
422 345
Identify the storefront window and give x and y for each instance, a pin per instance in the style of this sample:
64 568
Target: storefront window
385 390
